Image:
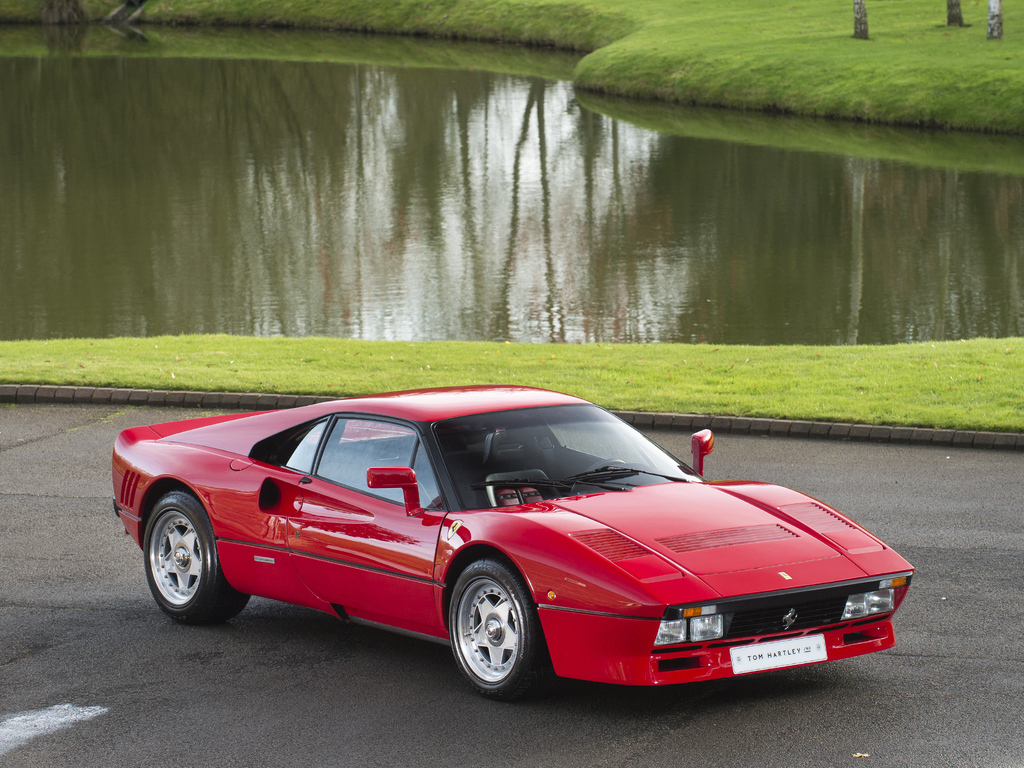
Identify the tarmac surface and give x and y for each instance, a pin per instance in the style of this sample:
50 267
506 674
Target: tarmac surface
81 638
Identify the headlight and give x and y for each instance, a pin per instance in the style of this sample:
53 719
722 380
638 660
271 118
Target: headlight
707 627
867 603
671 632
700 623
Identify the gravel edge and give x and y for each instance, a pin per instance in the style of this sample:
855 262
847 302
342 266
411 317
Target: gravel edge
687 422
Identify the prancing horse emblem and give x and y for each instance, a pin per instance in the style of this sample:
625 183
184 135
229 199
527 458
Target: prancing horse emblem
789 619
453 529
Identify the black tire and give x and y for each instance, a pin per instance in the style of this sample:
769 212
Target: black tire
182 566
496 634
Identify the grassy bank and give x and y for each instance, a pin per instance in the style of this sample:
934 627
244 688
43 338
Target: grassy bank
797 57
285 45
963 385
950 150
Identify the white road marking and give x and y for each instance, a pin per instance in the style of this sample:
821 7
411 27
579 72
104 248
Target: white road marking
25 726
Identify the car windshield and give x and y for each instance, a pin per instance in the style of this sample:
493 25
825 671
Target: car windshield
521 456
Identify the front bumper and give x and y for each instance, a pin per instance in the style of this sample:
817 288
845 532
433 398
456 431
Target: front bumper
611 649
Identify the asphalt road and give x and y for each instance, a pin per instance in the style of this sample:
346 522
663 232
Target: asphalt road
288 686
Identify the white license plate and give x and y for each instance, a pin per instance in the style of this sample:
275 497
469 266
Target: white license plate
778 654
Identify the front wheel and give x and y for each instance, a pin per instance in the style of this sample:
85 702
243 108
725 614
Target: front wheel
182 566
496 634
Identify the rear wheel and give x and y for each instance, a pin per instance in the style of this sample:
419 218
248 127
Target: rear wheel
496 634
182 566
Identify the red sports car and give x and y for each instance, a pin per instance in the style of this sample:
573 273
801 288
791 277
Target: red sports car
529 530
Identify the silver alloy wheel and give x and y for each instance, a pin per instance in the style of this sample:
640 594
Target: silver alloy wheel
488 630
175 557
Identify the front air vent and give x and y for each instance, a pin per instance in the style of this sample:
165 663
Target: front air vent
683 662
728 537
610 544
816 517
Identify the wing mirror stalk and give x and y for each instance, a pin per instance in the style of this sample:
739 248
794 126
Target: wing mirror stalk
397 477
701 444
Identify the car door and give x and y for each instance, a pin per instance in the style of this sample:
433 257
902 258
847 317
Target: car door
252 541
358 548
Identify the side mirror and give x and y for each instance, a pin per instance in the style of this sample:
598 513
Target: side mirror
397 477
701 444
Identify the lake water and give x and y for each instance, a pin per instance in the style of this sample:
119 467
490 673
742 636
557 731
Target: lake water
144 196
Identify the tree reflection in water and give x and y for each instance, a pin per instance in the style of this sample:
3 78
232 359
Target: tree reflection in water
146 196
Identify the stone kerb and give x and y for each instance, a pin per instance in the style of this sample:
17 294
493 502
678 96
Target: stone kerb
737 425
688 422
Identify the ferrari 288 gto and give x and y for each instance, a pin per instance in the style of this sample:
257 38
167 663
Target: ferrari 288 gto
529 530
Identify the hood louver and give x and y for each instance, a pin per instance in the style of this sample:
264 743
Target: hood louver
728 537
610 544
816 517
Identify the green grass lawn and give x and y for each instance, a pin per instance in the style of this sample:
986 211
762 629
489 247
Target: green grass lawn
962 385
795 57
800 57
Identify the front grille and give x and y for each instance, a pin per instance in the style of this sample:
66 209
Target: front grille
766 621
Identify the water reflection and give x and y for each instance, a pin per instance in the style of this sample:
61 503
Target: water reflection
149 196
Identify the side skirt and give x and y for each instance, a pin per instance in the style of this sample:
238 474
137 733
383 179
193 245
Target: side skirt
343 615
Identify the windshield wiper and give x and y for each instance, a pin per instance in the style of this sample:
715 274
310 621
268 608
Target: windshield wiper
612 472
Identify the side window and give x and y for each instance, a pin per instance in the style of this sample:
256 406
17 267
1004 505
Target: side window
294 448
302 457
356 445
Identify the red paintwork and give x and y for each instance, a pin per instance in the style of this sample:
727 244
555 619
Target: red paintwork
321 545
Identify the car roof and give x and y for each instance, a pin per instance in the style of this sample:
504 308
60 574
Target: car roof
429 405
238 433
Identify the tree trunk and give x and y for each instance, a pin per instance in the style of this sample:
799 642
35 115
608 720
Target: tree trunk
995 19
65 38
953 16
860 20
63 12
